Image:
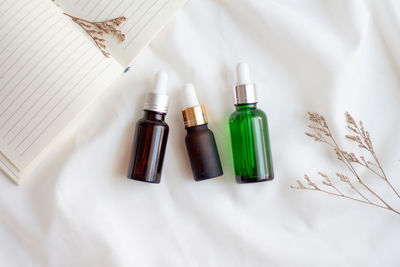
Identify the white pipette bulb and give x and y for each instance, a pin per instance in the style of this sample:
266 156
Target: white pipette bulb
157 100
242 74
190 97
161 83
245 90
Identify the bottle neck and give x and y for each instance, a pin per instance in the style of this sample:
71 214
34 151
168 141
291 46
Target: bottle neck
153 115
243 107
197 128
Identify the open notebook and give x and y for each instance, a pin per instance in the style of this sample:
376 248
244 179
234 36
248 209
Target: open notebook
51 70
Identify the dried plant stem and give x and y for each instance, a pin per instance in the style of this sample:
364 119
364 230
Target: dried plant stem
352 198
364 141
384 175
337 190
96 30
351 168
361 137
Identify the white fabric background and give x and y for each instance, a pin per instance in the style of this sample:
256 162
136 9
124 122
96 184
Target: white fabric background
78 209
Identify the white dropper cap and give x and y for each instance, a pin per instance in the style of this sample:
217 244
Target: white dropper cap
161 83
190 97
242 74
157 100
193 113
245 90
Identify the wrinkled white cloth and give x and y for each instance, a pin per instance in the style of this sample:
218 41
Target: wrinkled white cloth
78 209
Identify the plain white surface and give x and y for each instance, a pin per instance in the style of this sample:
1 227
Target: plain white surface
78 209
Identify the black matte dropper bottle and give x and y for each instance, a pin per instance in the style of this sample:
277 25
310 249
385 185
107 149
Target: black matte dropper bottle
200 141
151 136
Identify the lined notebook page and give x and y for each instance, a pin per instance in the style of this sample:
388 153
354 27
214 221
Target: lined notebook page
49 72
145 19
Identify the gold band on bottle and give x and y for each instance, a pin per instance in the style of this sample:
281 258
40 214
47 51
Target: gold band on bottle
194 116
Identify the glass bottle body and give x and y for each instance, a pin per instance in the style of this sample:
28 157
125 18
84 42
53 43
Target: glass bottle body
203 153
250 144
148 150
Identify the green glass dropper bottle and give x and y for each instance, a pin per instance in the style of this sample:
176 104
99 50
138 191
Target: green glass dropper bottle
249 133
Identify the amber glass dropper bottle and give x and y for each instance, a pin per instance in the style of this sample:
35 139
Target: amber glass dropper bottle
249 133
151 135
200 141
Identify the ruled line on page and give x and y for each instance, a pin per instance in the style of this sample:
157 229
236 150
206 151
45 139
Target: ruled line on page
144 14
12 28
103 10
48 101
138 29
145 25
35 90
136 10
122 13
12 41
48 71
22 54
116 7
8 168
20 44
56 105
85 5
13 15
63 110
37 75
93 8
45 92
8 9
16 73
32 68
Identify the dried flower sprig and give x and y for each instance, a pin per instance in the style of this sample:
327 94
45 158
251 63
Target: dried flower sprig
360 137
96 30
